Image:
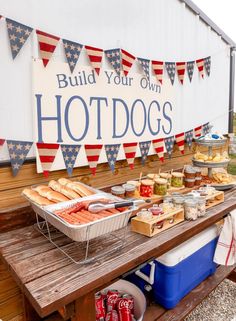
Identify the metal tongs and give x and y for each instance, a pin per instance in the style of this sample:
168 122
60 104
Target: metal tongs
100 206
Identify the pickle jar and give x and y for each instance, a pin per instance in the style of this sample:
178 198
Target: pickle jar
146 188
177 179
160 186
166 176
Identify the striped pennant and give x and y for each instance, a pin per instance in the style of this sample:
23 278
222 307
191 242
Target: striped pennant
95 57
2 141
112 153
180 66
169 144
206 128
190 69
207 65
189 138
47 45
130 152
170 68
47 154
145 66
158 67
144 149
180 142
200 66
72 52
127 61
70 153
93 153
158 145
113 56
18 151
198 131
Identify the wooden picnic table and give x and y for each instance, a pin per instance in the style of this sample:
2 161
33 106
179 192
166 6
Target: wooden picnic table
51 282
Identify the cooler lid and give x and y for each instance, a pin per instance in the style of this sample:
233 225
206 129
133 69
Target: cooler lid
184 250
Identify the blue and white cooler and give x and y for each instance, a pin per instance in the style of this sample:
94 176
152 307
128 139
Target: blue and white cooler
171 276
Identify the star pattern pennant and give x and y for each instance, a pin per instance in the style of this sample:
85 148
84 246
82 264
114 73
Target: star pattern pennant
69 153
18 35
190 69
206 128
189 137
144 149
170 68
112 153
169 144
72 52
114 58
207 65
145 63
18 151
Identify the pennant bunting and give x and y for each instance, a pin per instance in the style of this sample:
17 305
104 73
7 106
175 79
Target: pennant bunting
169 144
206 128
145 65
127 61
180 66
72 52
18 35
69 153
180 142
189 137
95 57
190 69
18 151
114 58
130 152
158 145
198 131
158 67
200 66
93 153
207 65
170 68
47 45
2 141
112 153
144 149
47 154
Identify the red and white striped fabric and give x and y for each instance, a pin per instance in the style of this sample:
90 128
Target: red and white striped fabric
198 131
181 66
180 142
158 67
158 145
47 154
127 61
200 66
47 45
95 57
130 152
93 153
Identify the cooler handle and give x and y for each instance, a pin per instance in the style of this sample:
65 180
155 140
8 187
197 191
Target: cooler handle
149 279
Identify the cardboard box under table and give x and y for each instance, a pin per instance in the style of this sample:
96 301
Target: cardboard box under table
174 274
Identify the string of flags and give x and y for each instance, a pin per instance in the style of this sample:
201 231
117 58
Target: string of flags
119 59
18 151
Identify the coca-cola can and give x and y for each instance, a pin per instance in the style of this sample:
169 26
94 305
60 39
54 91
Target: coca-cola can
112 296
131 302
123 309
112 316
100 307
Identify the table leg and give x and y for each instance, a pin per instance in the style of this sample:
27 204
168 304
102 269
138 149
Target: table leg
29 312
85 308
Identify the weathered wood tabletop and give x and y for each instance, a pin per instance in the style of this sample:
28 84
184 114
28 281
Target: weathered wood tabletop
50 281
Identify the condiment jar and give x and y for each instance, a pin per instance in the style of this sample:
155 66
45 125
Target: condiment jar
189 172
166 176
144 214
178 202
198 180
160 186
191 210
135 183
129 190
198 171
189 182
118 191
201 205
152 176
146 188
177 179
156 211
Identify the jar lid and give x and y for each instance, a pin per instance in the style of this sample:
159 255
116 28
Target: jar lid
135 183
178 200
189 180
198 178
165 175
129 187
197 169
147 182
190 202
118 189
152 176
177 174
160 181
189 170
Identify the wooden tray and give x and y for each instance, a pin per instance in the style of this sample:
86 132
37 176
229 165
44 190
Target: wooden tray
216 199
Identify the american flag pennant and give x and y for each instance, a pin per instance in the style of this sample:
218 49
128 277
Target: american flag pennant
207 65
189 138
18 151
190 69
95 57
130 152
93 153
72 52
47 153
127 61
200 66
114 58
112 153
47 45
158 145
169 144
170 68
206 128
18 35
180 66
158 67
198 131
69 153
145 65
180 142
144 149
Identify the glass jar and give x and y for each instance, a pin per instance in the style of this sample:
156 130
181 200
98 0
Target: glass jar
201 205
157 211
160 186
198 171
189 182
189 172
118 191
129 190
146 188
152 176
198 180
144 214
177 179
166 176
178 202
190 210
